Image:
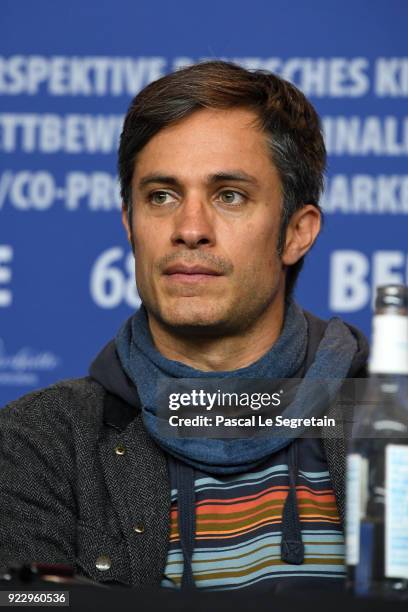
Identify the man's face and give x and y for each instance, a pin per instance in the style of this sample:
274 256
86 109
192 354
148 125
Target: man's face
206 216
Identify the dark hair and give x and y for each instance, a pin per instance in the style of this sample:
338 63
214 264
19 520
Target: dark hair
288 119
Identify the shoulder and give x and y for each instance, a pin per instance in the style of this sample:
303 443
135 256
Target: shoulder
316 330
316 326
73 399
46 429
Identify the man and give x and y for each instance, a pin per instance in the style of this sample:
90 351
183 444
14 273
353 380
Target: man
221 172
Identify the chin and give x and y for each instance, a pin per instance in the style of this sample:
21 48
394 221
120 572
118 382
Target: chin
194 319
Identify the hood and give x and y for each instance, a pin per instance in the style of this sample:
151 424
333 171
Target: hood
107 370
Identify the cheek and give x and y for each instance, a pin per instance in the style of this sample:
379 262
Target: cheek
144 263
257 251
146 241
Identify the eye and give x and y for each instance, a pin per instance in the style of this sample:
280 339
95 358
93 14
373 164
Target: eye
160 198
231 197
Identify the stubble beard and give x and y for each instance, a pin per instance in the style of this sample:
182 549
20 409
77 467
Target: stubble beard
214 319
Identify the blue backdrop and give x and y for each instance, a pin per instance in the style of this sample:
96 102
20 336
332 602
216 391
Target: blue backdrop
67 73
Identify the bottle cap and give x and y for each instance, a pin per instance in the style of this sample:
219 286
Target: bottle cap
394 296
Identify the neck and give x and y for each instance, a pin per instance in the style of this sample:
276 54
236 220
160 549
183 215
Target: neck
220 353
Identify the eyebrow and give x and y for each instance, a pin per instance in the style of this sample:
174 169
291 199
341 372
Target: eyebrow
230 175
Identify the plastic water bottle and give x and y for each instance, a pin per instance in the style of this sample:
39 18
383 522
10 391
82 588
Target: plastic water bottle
377 462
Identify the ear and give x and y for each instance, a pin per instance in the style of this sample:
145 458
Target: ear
125 221
302 231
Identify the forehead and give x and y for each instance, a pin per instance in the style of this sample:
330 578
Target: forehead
206 142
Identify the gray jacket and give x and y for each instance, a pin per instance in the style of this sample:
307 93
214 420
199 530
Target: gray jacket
80 485
81 481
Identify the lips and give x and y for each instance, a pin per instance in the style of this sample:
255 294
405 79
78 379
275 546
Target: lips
184 275
181 269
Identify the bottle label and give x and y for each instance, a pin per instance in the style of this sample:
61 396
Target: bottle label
357 470
396 511
389 354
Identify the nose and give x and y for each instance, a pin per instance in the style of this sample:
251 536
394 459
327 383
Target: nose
193 224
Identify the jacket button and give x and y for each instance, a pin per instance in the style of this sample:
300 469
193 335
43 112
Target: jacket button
139 528
120 449
103 563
